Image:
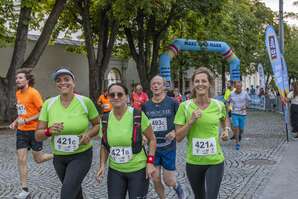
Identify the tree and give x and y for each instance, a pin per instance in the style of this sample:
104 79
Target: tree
148 28
7 84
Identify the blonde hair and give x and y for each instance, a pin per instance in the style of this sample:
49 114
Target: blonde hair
210 76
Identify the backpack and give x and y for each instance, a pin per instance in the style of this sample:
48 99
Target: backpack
136 133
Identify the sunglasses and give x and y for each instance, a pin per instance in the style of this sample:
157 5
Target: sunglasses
113 95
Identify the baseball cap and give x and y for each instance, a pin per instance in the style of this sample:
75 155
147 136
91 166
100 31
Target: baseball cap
63 71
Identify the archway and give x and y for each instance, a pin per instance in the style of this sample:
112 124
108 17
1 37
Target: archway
193 45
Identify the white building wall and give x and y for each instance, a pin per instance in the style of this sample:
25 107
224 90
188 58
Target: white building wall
56 56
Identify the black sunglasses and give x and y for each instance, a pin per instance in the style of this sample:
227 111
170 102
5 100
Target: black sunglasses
113 95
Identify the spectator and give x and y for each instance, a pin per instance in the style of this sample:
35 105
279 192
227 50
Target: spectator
293 96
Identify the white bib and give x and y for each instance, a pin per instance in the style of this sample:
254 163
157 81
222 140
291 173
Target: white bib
121 154
203 146
66 143
159 124
21 109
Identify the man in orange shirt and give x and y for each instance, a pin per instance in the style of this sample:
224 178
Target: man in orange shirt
29 103
104 103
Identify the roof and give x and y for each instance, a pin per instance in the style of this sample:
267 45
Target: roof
70 42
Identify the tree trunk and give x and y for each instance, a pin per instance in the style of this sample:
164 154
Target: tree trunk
45 36
20 49
8 84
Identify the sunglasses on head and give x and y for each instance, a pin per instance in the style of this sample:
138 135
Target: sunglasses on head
113 95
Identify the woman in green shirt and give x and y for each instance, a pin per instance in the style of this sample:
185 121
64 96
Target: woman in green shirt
129 169
70 121
199 119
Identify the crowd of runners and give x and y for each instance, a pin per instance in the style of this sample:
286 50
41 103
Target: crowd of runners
138 141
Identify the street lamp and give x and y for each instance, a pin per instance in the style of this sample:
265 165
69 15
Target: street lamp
281 26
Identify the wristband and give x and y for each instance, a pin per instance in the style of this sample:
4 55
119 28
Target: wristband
150 159
47 132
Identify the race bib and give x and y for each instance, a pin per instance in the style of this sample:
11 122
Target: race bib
66 143
121 154
203 146
106 106
159 124
21 109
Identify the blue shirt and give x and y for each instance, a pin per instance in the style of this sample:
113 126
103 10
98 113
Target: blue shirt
162 117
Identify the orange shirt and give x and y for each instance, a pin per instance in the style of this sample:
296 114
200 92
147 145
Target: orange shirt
29 103
105 104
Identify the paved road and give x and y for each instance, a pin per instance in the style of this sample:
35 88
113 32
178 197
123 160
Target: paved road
246 171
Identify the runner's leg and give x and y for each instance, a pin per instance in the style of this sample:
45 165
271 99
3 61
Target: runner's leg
214 175
117 184
196 177
138 184
158 186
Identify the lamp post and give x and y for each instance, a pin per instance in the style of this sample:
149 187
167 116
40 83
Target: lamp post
281 26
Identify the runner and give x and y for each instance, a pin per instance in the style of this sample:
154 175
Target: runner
161 110
138 97
177 95
239 101
104 103
199 119
70 120
29 103
122 131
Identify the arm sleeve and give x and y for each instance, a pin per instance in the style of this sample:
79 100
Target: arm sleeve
180 118
43 115
92 111
37 100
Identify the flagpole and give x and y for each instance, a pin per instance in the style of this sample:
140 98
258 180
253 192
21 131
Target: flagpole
281 46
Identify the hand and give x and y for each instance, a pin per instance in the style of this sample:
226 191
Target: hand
21 121
56 128
195 115
85 138
13 125
171 135
100 174
144 140
224 135
150 169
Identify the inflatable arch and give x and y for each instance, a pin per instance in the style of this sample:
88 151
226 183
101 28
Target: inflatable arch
193 45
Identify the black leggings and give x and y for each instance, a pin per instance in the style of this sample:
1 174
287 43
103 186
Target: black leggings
71 171
205 179
135 183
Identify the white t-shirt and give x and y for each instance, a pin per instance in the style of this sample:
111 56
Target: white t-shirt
239 102
294 99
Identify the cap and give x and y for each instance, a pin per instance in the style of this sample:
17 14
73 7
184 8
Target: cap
62 71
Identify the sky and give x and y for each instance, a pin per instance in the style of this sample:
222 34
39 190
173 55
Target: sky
288 7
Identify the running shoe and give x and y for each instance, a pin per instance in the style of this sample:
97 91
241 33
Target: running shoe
180 192
23 195
237 147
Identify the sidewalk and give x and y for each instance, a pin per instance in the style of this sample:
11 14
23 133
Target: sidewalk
284 180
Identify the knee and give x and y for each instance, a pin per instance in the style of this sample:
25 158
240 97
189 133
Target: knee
170 181
156 179
22 160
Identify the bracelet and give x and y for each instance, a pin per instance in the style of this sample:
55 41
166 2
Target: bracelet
150 159
47 132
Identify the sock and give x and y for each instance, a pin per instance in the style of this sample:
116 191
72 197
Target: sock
25 189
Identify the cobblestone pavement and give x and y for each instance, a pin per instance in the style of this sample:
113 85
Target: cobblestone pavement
246 171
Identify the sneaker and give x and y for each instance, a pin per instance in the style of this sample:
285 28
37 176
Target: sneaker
237 147
23 195
180 192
